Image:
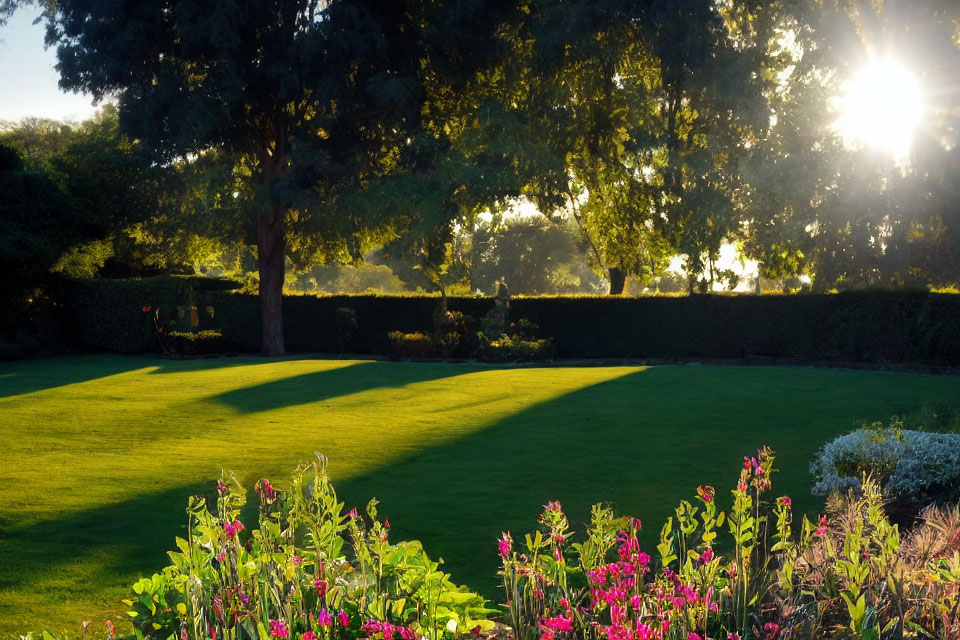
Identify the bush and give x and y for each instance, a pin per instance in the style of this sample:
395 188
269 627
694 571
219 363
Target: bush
411 345
910 466
521 344
309 571
184 344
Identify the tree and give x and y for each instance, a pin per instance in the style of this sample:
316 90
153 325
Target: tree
106 173
311 97
38 221
839 210
534 256
651 109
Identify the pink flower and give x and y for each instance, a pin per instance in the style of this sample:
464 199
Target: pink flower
505 545
220 487
733 636
772 629
386 524
344 619
232 528
822 529
277 630
308 635
183 633
324 619
556 624
706 493
706 556
321 586
553 505
693 636
297 560
354 514
564 603
784 501
264 487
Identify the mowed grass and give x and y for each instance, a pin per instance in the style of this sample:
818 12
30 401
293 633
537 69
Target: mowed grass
99 453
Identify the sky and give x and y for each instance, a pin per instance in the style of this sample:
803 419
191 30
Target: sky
28 80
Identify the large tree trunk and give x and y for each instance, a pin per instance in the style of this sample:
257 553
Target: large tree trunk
270 255
618 279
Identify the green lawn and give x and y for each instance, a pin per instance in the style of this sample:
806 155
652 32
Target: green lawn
99 453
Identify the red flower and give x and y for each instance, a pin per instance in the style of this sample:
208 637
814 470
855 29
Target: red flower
784 501
706 493
146 308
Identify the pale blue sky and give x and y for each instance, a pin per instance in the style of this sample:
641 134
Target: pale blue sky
28 81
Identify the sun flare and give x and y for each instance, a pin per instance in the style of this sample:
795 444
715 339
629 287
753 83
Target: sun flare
881 108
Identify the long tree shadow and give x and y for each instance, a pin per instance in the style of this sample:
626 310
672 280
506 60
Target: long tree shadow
39 374
616 441
326 384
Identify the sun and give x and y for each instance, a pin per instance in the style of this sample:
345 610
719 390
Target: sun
881 108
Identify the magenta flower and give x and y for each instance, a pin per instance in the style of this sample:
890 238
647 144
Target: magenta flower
324 619
733 636
354 514
772 629
321 586
278 630
266 489
822 529
505 545
232 528
344 619
784 501
706 493
308 635
146 308
706 556
693 636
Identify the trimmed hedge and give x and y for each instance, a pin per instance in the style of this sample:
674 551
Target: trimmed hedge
119 315
868 326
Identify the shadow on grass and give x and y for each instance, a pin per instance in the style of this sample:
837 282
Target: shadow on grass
317 386
28 376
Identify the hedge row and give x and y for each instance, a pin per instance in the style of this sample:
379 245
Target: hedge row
121 315
881 327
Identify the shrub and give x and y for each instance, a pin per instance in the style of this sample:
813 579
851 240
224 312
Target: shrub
182 343
411 345
910 466
521 344
309 571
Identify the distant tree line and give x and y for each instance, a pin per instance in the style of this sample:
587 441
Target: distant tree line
272 140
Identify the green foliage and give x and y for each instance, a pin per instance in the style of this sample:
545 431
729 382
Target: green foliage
125 315
310 566
869 326
191 343
519 343
850 576
411 345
